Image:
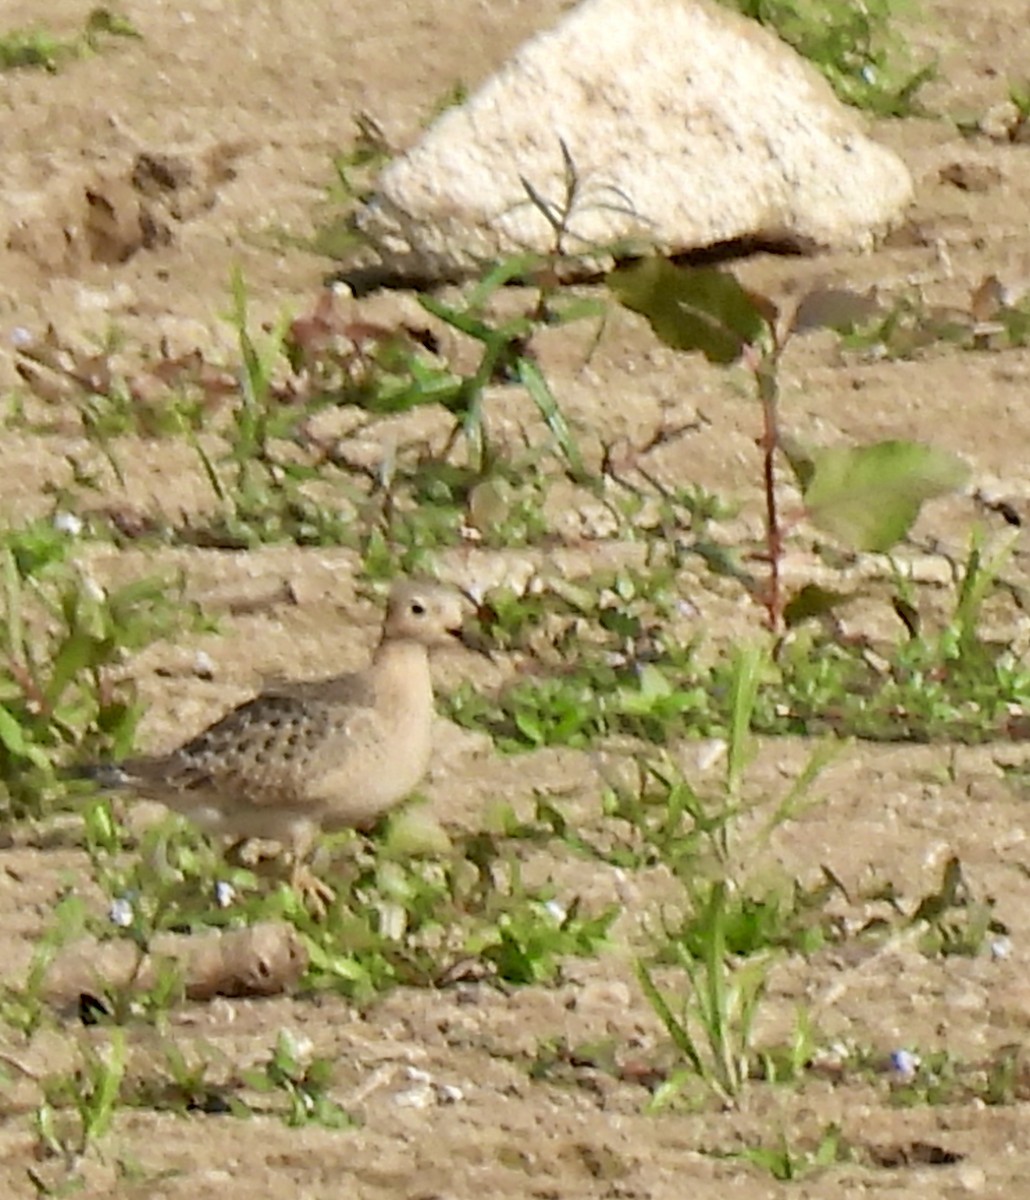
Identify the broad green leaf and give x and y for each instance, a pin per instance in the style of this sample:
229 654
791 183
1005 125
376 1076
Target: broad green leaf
535 383
813 601
77 652
12 735
693 308
870 496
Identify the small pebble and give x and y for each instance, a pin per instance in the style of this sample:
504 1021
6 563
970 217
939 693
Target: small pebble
69 523
121 913
203 665
1001 948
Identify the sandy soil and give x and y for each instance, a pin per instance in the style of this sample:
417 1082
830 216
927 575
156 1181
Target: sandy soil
252 98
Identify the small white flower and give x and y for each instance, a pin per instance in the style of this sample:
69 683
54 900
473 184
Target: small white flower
121 913
225 894
556 909
69 523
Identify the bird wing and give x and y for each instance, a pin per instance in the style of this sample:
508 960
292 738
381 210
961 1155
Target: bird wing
266 749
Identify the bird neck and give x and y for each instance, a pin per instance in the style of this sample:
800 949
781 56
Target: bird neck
403 667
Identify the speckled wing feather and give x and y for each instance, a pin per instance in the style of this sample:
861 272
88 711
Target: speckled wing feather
266 750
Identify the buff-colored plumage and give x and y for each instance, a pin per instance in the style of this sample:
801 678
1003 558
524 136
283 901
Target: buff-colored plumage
321 754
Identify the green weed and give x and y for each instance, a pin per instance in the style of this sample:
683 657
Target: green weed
788 1162
78 1107
856 46
940 1077
39 47
302 1081
23 1006
907 327
64 640
419 920
353 171
724 947
866 497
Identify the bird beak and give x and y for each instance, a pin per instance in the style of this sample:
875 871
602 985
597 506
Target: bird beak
472 631
474 640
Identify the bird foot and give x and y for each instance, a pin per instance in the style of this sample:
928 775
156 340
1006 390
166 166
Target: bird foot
315 893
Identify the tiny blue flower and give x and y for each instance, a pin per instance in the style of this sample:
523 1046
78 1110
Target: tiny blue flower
904 1064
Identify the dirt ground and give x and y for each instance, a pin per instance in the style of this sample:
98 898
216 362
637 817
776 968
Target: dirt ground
254 97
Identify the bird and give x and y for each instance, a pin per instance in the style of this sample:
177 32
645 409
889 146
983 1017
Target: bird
303 757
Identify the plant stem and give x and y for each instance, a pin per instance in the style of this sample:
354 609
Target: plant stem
765 372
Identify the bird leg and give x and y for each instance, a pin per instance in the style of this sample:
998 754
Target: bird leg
315 893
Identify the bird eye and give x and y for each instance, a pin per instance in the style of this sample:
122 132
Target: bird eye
418 609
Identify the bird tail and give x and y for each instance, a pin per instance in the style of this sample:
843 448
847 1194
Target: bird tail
109 777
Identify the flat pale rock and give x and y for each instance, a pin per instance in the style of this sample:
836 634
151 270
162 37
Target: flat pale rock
686 125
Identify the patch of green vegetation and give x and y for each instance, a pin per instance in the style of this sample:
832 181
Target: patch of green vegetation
23 1006
354 169
920 695
161 400
858 47
275 477
939 1077
64 640
78 1107
789 1161
409 910
290 1083
732 929
907 327
39 47
714 946
304 1083
614 657
418 920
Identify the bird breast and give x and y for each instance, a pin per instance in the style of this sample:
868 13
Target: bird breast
387 755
